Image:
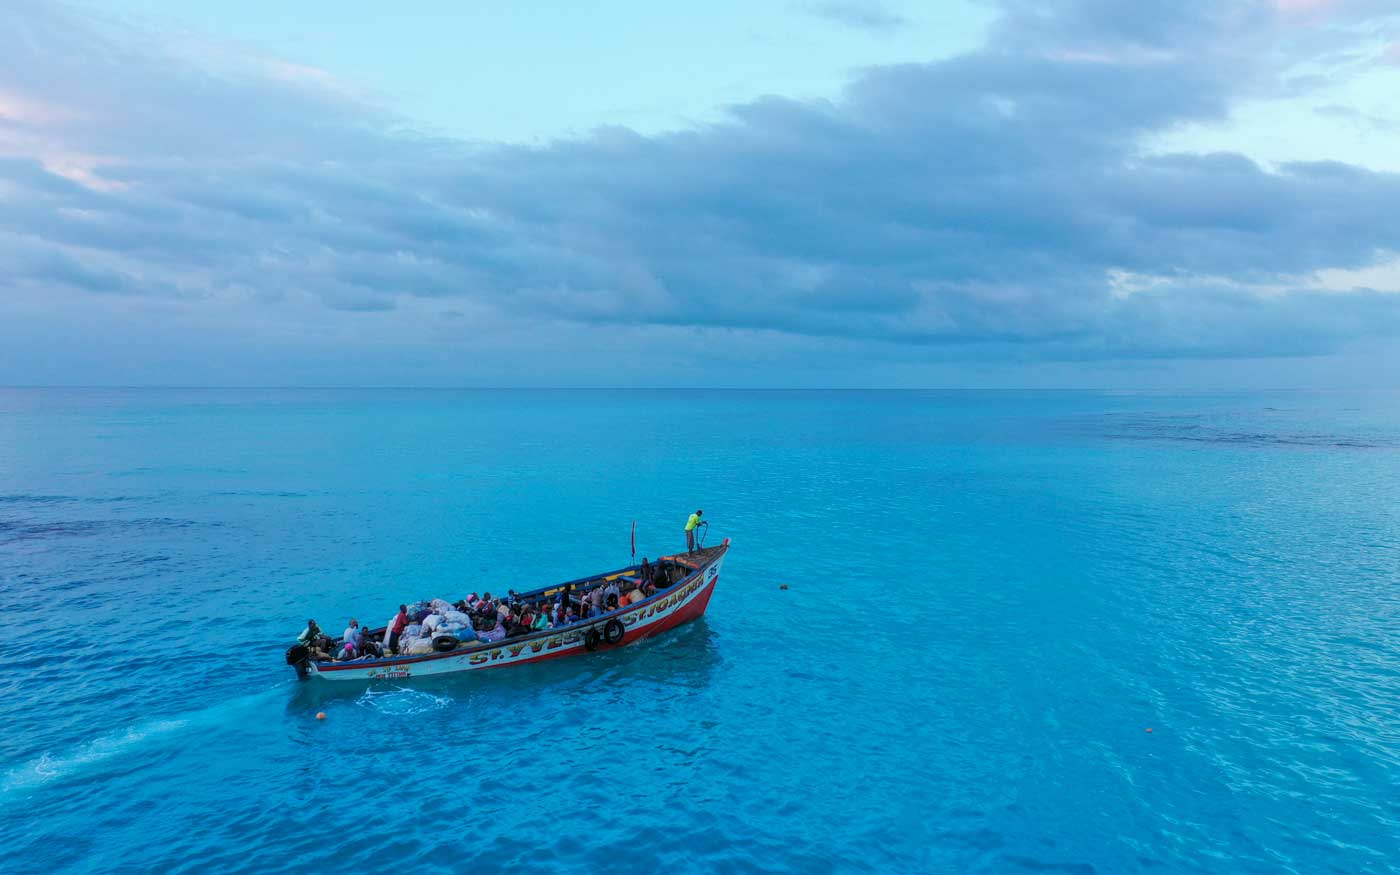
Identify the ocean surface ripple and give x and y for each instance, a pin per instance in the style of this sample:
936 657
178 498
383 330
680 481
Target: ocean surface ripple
991 599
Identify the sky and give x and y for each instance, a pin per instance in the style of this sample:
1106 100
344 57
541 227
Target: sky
990 193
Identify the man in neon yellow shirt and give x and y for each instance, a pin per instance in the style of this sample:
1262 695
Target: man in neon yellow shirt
690 525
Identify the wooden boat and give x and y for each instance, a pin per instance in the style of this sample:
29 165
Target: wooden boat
680 602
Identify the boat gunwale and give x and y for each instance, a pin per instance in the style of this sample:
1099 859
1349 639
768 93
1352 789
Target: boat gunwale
579 627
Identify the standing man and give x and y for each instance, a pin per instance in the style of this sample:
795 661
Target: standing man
394 630
690 525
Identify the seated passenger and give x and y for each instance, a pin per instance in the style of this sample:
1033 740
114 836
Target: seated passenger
496 633
317 643
645 571
351 646
509 621
632 596
541 620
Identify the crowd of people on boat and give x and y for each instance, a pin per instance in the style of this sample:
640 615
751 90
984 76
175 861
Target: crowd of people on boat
436 625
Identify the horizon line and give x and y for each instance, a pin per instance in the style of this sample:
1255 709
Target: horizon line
403 388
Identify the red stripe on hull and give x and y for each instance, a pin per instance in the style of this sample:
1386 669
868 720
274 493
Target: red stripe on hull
693 611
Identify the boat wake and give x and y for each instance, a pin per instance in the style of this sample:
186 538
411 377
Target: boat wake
401 701
51 767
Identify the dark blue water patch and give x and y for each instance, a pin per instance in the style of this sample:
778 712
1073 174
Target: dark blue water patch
1223 428
1199 434
1030 864
30 530
66 499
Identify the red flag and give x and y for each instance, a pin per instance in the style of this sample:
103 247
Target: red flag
634 539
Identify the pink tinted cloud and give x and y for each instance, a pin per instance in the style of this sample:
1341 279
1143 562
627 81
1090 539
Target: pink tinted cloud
26 110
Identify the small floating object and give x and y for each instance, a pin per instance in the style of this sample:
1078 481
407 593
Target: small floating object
321 715
782 586
1149 730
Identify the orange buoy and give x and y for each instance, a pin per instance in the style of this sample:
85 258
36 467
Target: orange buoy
321 715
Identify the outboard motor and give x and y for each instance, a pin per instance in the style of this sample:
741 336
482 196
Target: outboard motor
297 656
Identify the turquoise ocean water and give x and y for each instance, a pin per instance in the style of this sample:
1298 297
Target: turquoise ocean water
991 598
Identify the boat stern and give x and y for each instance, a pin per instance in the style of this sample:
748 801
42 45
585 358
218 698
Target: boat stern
299 658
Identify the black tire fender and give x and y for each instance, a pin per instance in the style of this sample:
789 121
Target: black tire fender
444 643
613 631
591 639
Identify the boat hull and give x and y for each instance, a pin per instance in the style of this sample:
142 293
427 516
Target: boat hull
682 603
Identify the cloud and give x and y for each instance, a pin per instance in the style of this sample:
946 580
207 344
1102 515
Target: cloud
870 16
1305 7
993 206
1354 116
